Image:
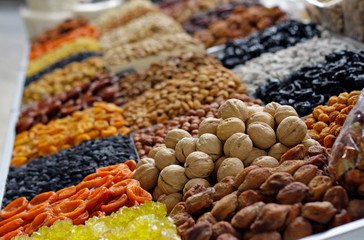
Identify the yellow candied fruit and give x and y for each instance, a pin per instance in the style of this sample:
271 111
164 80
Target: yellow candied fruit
109 131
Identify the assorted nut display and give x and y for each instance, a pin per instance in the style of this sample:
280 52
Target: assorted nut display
285 34
231 21
313 85
146 138
257 71
240 137
67 167
354 22
101 120
63 79
326 121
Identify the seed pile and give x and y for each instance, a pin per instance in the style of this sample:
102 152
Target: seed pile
67 167
257 71
273 39
313 85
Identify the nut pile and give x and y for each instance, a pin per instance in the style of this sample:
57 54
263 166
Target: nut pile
124 14
240 137
314 85
38 49
257 71
229 22
103 87
354 22
63 79
285 34
178 95
291 201
146 138
67 167
100 193
82 44
78 57
326 121
102 120
141 54
140 28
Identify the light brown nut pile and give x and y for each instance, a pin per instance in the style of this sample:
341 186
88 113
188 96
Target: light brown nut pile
179 95
124 14
63 79
139 55
325 122
140 28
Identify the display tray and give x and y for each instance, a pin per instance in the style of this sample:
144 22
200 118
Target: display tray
350 231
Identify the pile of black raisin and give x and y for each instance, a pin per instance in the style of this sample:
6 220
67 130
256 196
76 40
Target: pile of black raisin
67 167
313 85
285 34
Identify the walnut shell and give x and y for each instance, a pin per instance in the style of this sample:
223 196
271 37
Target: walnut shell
307 143
170 200
271 108
255 109
145 160
208 125
255 153
238 145
229 167
262 135
283 112
291 131
218 163
195 181
198 165
233 108
147 174
277 150
228 127
184 147
173 137
165 157
155 149
266 161
209 144
262 117
157 192
172 179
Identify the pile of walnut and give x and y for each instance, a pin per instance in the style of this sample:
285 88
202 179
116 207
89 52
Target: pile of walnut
291 201
243 136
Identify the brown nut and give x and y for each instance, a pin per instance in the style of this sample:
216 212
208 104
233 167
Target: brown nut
172 179
199 201
275 183
155 149
184 148
338 196
291 131
165 157
223 227
277 150
296 153
200 231
254 179
321 212
173 137
207 217
229 167
340 219
227 236
306 173
266 161
356 209
283 112
224 187
228 127
157 192
238 145
209 144
318 187
198 165
147 175
255 153
233 108
193 190
178 208
145 160
297 229
248 198
240 177
183 221
270 218
246 216
292 193
170 200
290 166
271 108
267 236
208 125
195 181
225 207
262 135
262 117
